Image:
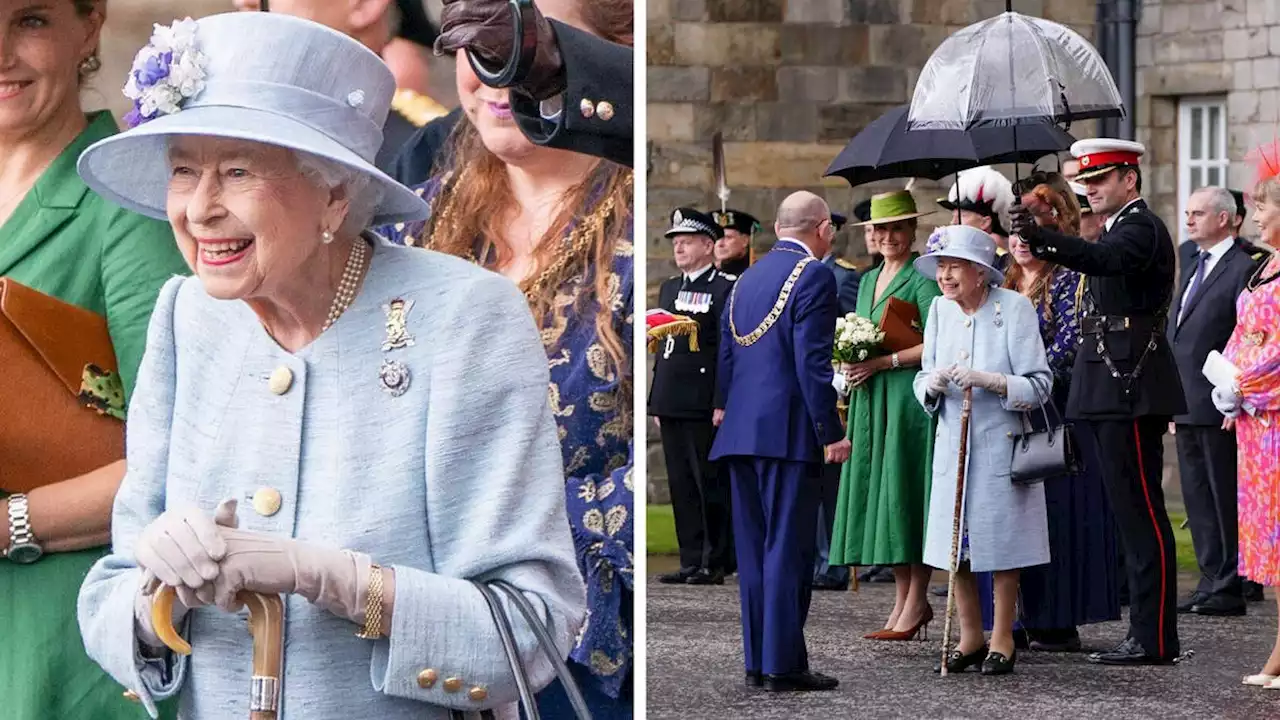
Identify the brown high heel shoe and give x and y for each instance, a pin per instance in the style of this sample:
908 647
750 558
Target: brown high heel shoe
920 628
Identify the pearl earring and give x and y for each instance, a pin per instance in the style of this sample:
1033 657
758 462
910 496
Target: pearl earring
326 237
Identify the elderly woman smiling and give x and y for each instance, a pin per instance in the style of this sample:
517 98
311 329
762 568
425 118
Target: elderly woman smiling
317 372
983 337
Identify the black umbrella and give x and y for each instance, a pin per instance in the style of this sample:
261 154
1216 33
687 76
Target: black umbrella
886 149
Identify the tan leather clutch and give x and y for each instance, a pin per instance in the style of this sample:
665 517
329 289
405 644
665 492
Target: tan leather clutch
901 326
61 399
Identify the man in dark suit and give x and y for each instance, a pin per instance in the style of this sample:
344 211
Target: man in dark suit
682 397
825 575
1214 271
733 249
777 426
576 93
1125 387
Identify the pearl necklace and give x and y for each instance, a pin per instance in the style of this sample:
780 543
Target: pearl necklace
347 286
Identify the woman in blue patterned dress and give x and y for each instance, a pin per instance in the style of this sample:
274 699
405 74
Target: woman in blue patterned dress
560 225
1080 584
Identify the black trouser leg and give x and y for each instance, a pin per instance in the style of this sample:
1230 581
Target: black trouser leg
1132 463
683 477
716 498
1207 466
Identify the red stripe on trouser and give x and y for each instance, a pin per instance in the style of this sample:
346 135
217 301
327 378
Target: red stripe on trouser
1142 473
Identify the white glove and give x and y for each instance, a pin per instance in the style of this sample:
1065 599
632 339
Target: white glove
965 378
938 382
841 385
1227 401
334 580
181 549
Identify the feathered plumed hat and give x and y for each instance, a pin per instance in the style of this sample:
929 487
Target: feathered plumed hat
983 190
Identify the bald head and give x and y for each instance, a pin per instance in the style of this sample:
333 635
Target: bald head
807 218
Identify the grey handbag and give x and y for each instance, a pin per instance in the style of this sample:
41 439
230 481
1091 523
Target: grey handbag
528 701
1041 454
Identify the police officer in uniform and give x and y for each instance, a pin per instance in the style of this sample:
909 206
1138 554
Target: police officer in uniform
733 249
1125 386
682 397
847 274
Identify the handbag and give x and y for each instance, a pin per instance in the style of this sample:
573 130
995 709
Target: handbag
64 404
528 701
901 326
1042 454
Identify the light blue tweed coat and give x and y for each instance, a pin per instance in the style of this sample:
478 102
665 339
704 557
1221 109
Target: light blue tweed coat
1006 523
460 477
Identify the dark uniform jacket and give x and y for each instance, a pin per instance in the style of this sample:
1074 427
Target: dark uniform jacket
847 280
1129 290
684 382
1207 323
417 162
596 70
736 266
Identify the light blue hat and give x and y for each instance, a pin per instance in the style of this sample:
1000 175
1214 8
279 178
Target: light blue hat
263 77
961 242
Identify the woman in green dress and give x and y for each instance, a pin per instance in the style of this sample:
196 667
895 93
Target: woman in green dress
63 240
884 486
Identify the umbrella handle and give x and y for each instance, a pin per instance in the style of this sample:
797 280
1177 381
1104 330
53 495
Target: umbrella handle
266 626
966 408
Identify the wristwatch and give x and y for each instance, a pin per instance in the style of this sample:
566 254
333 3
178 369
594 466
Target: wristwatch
23 548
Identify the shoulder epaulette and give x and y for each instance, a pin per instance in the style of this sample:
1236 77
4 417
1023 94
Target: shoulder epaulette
846 264
417 108
728 276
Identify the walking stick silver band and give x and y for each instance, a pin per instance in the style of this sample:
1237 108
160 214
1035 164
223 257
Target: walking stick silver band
264 694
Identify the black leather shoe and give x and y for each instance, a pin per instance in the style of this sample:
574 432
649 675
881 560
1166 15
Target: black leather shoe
753 679
997 664
706 577
1220 606
1192 600
1129 652
803 681
1252 591
1067 640
959 661
680 577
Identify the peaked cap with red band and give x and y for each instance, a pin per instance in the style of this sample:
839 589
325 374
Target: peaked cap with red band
1099 156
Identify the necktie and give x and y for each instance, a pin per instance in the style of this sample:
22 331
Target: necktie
1202 258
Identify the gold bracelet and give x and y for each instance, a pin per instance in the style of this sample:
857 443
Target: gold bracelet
372 629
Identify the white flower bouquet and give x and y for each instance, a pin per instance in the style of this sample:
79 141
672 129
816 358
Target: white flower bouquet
856 338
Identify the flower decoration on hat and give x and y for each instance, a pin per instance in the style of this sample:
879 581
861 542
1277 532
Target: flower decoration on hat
661 324
937 241
166 72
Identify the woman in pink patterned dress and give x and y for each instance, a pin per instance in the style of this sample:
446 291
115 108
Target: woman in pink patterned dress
1252 405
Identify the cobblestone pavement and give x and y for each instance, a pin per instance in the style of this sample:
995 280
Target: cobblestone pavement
695 667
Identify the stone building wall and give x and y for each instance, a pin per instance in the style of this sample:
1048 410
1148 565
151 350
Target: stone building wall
788 83
1185 48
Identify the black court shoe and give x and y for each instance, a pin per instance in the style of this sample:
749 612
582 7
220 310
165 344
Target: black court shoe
803 681
753 679
960 661
997 664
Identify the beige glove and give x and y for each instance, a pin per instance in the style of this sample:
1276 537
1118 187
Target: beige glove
937 382
334 580
965 378
178 533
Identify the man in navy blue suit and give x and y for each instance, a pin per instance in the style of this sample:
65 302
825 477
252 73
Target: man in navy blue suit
778 424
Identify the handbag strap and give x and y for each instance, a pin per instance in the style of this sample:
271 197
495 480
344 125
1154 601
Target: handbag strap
548 644
1045 399
505 634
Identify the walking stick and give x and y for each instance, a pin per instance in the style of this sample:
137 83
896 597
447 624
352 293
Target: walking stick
266 626
955 527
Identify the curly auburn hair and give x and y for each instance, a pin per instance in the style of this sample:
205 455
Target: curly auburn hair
475 203
1053 190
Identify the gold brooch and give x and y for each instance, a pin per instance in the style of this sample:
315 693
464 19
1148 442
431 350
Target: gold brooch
1254 338
397 318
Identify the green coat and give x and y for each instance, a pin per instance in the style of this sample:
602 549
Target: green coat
884 487
66 241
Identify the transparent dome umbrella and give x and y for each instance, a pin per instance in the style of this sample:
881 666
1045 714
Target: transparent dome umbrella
1013 69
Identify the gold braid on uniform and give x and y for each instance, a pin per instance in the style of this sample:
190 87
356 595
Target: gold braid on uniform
417 108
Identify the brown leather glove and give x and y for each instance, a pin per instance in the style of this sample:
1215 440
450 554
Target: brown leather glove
484 28
1023 224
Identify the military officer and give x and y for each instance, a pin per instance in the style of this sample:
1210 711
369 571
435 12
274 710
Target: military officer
981 198
1125 386
778 424
846 273
733 249
682 397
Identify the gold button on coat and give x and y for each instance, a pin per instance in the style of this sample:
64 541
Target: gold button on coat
266 501
968 322
281 380
478 694
453 684
605 110
427 678
964 354
587 108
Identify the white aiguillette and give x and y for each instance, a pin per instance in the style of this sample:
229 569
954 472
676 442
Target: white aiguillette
1221 372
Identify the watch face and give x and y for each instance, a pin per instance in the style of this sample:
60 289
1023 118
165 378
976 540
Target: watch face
24 554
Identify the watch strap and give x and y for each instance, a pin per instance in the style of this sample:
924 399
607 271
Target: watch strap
19 521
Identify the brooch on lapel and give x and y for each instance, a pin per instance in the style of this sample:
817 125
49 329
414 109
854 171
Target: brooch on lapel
394 376
397 318
999 319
